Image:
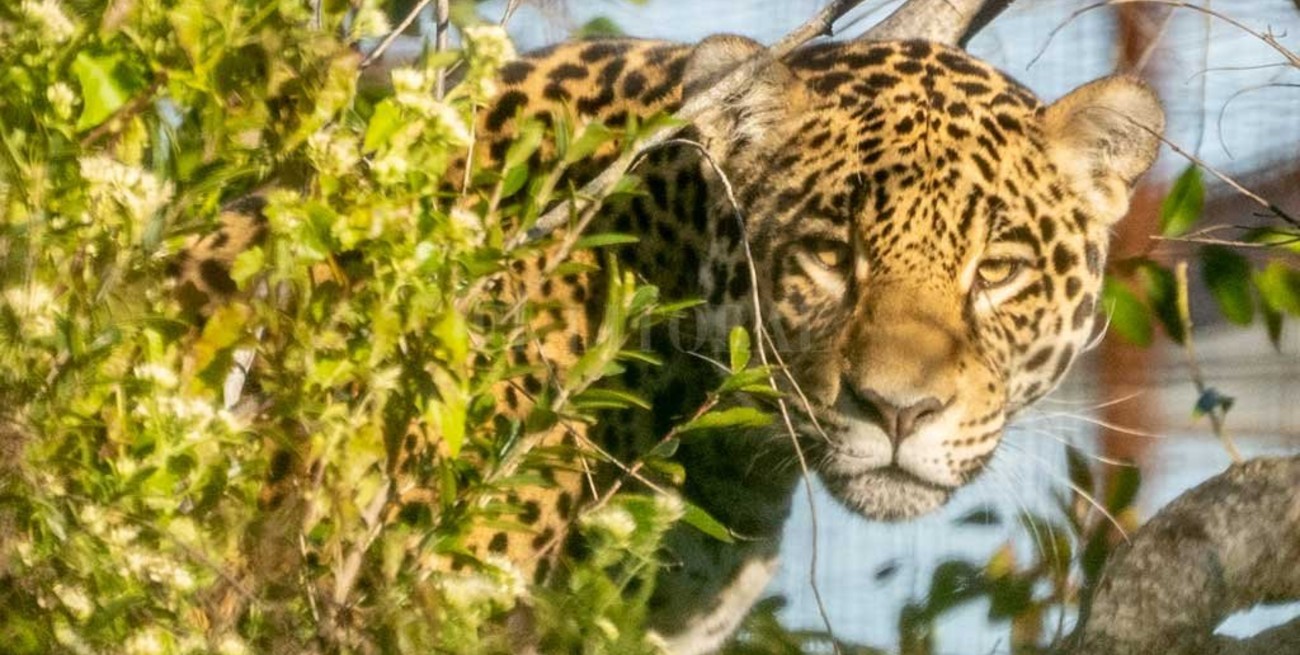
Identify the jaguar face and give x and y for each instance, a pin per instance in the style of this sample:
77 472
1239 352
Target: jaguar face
930 242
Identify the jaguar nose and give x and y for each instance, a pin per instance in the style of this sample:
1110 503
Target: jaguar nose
898 422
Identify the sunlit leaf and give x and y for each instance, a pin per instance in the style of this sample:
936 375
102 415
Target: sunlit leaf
1184 204
704 522
738 342
731 418
1279 286
105 86
1128 316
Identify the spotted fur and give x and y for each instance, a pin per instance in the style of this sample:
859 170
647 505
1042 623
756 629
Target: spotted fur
928 239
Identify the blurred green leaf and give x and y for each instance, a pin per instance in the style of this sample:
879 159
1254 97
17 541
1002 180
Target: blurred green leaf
1122 488
731 418
1080 474
598 27
602 240
1184 204
1228 275
105 86
704 522
985 515
1161 289
1128 316
738 342
1279 286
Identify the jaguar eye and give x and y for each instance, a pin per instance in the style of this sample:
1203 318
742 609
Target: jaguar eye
831 254
994 273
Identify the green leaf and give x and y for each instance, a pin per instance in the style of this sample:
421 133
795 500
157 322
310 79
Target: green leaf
1228 275
731 418
600 26
1128 316
526 142
1122 488
593 136
1279 286
1287 238
1273 324
602 240
104 87
738 342
985 515
704 522
1161 289
246 265
610 399
384 123
1184 204
1079 472
743 380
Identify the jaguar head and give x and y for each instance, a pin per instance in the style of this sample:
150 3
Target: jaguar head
929 240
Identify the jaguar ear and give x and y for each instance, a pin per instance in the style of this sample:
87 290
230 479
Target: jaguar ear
1103 136
753 116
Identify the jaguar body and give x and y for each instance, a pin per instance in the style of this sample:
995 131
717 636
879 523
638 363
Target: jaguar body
921 237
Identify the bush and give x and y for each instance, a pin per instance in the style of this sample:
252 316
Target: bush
137 443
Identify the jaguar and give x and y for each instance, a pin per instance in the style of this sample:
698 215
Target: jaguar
919 237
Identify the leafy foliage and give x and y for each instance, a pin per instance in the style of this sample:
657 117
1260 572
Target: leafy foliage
135 464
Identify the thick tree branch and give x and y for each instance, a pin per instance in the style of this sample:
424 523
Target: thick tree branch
945 21
1229 544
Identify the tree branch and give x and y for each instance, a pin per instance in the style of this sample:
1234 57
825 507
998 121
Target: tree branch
1229 544
945 21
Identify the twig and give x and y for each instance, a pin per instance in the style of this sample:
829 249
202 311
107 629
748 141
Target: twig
137 103
347 578
1268 38
759 334
1194 369
442 18
1223 110
378 52
1259 200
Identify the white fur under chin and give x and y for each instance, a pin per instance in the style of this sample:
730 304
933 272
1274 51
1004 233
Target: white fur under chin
884 494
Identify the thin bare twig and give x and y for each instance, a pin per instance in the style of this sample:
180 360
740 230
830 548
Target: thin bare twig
1268 38
760 334
383 46
442 24
1193 367
1258 199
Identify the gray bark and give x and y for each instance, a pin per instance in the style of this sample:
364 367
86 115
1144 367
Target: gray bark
1229 544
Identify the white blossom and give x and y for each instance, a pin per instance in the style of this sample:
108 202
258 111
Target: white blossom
490 44
612 520
137 191
75 599
62 99
35 307
230 644
334 152
157 374
370 21
49 14
148 642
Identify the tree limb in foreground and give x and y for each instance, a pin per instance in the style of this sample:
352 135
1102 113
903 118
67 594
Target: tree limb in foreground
1229 544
